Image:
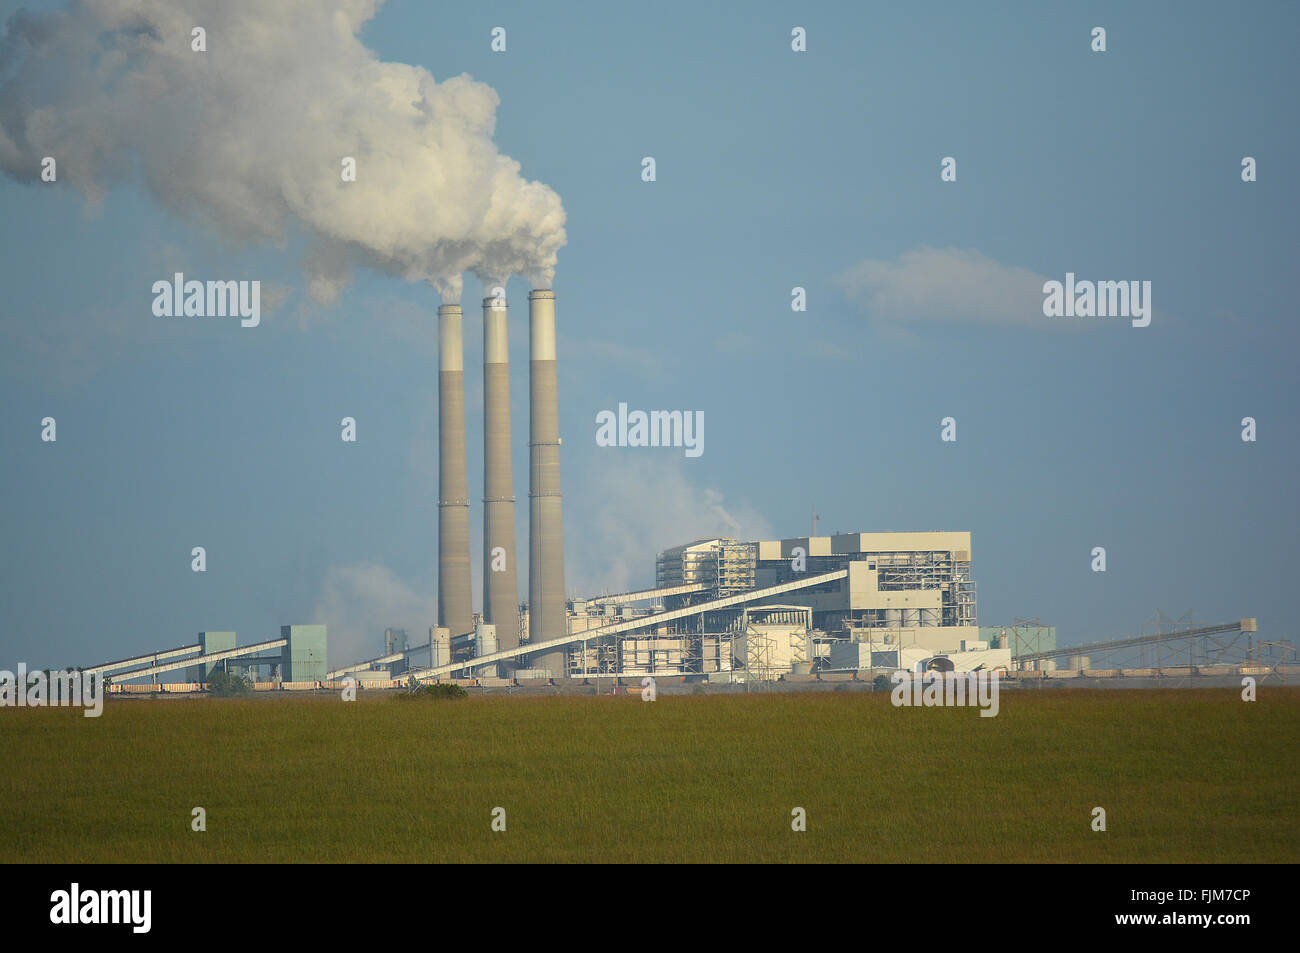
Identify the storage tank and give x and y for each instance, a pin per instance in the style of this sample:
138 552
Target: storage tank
894 618
911 618
929 617
440 646
485 643
1078 662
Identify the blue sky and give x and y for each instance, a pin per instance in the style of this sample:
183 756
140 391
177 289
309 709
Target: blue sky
775 169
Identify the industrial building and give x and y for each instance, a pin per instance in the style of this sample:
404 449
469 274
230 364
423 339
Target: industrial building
300 659
724 610
799 606
721 608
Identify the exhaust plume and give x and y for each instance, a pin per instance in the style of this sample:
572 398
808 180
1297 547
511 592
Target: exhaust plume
250 136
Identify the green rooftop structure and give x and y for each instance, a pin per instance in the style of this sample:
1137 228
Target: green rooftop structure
303 657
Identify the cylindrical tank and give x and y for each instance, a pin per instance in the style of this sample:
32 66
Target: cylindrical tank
1047 665
440 646
485 639
929 617
485 643
894 618
1079 662
911 618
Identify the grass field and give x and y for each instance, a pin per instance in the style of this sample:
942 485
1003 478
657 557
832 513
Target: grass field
1184 776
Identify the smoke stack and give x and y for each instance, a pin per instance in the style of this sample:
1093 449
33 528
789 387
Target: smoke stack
500 580
455 608
546 615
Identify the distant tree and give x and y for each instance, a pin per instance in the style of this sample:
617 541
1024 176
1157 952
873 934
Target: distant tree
225 684
441 690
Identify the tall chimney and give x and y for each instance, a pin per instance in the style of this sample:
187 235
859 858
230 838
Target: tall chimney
455 608
500 580
546 609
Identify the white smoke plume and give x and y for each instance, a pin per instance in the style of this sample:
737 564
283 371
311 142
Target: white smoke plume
632 509
357 602
249 137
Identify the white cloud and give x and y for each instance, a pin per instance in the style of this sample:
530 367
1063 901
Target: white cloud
950 285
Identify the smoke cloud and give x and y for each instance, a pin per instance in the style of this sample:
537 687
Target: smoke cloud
358 602
633 509
249 137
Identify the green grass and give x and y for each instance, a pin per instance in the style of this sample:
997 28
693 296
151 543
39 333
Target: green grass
1185 776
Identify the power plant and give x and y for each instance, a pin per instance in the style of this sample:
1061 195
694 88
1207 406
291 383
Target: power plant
721 611
719 605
